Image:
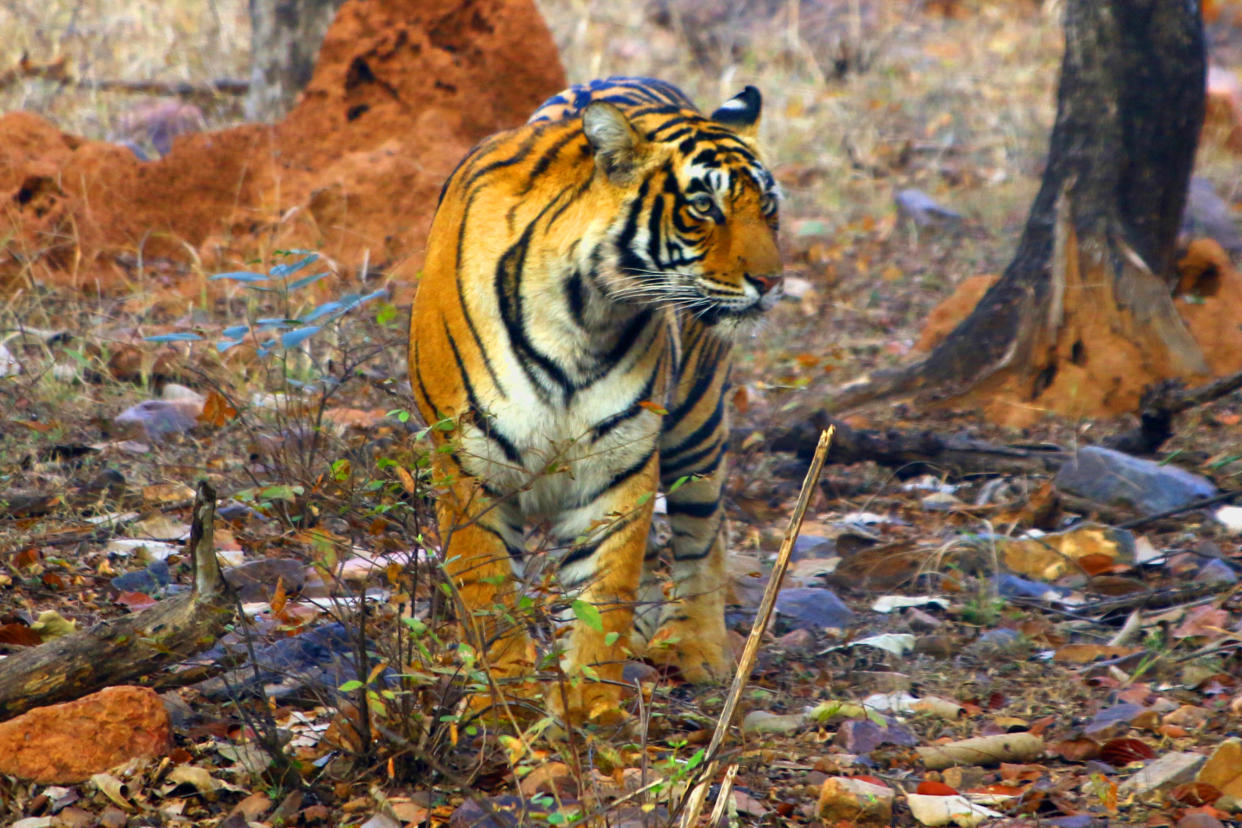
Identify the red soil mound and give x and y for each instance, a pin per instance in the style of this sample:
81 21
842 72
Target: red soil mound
402 89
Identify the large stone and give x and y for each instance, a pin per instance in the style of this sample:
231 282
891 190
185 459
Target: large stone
1122 481
65 743
401 90
811 608
1163 772
1223 769
858 802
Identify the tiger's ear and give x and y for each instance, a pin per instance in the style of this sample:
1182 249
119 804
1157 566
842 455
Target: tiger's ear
617 146
741 112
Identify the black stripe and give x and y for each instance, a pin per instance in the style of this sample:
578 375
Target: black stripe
702 383
711 536
508 285
694 510
654 134
486 426
586 550
688 464
545 160
705 431
616 480
628 257
655 232
422 386
478 341
511 550
575 292
630 412
518 156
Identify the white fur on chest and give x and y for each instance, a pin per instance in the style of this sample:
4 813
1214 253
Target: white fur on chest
561 455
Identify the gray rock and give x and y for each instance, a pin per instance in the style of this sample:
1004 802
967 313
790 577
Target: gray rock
1012 586
861 736
256 580
1216 571
1112 720
761 722
924 210
1208 215
812 547
1119 480
1165 771
811 608
156 419
150 581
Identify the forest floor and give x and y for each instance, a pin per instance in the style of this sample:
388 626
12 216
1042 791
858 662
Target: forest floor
1098 644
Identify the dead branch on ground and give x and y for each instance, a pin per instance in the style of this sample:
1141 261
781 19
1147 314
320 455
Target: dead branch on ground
1161 403
124 649
911 452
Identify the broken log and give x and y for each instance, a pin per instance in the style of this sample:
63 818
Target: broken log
910 453
913 453
1162 402
121 650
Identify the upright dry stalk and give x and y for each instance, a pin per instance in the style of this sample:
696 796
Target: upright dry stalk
694 801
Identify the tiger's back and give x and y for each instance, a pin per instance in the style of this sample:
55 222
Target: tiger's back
583 277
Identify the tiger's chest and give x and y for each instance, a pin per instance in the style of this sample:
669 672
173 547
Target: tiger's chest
554 444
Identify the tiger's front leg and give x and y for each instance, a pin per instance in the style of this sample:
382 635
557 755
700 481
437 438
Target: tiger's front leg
693 465
692 636
607 539
481 536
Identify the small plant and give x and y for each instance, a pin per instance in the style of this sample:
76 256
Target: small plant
307 358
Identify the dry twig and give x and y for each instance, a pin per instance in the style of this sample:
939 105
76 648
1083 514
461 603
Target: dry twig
697 795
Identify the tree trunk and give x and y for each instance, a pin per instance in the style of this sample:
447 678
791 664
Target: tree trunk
285 36
1083 318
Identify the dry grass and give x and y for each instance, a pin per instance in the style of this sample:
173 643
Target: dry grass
131 40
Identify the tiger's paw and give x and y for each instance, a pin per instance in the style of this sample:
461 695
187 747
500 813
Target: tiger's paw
510 666
584 701
700 651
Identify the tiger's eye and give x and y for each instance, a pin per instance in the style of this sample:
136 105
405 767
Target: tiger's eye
702 203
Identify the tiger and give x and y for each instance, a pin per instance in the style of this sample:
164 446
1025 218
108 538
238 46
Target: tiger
585 277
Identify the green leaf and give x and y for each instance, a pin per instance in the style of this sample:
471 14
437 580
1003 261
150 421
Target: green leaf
611 638
386 314
588 614
284 270
350 686
296 337
677 484
281 492
297 284
173 337
241 276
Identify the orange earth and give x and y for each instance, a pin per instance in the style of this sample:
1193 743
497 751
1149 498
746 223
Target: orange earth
402 89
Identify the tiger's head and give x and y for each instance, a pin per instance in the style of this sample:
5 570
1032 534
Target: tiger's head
696 226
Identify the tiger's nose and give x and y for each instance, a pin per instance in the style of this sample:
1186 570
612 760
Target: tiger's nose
764 282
